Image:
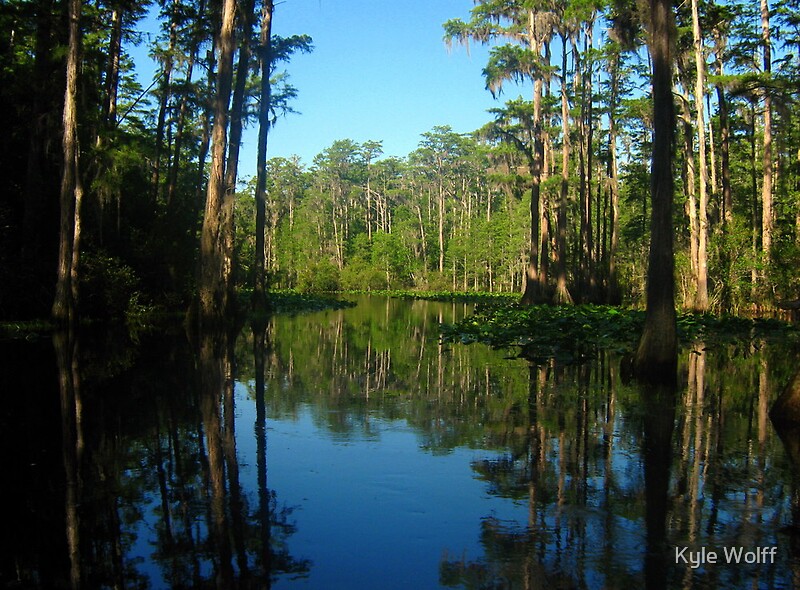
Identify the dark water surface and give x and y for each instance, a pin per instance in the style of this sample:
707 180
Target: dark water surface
348 449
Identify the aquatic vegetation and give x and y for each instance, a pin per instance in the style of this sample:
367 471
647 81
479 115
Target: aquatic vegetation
291 301
569 333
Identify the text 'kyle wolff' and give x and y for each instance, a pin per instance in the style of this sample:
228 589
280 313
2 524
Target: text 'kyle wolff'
738 555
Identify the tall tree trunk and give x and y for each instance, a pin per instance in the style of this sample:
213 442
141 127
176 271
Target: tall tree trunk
265 58
583 189
166 91
238 102
64 304
614 297
690 188
724 135
215 281
440 202
657 353
111 82
245 17
534 286
562 294
177 145
588 102
767 215
701 299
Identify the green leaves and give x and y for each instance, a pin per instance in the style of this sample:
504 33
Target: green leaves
572 333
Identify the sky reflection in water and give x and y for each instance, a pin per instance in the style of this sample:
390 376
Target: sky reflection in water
389 461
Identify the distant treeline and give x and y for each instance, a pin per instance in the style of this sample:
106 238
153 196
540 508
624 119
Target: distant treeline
556 183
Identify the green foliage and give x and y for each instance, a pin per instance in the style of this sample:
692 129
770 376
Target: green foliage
321 276
292 302
574 333
109 287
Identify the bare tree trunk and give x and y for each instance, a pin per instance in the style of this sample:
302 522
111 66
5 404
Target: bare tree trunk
725 136
767 215
111 82
657 353
238 101
265 58
441 222
701 299
533 281
614 297
64 303
166 91
690 188
589 130
215 281
562 294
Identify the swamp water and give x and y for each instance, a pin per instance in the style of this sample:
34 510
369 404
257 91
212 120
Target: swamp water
349 449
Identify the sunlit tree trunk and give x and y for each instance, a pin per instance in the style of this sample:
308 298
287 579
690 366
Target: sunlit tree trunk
690 187
701 299
724 134
767 215
215 281
66 352
63 309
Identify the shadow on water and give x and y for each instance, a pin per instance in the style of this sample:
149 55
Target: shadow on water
785 415
142 488
164 464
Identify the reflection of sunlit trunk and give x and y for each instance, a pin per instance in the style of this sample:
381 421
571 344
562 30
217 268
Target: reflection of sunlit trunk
693 452
659 416
763 414
66 348
213 349
367 368
259 355
695 482
439 366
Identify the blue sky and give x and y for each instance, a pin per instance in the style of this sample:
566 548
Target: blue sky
379 71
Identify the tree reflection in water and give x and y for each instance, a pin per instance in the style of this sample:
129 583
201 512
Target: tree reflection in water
148 475
615 479
128 465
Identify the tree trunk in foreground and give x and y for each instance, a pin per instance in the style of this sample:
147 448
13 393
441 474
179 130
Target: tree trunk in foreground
657 354
215 280
65 301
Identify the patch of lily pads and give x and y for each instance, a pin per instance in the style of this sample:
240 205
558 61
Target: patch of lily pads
572 333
